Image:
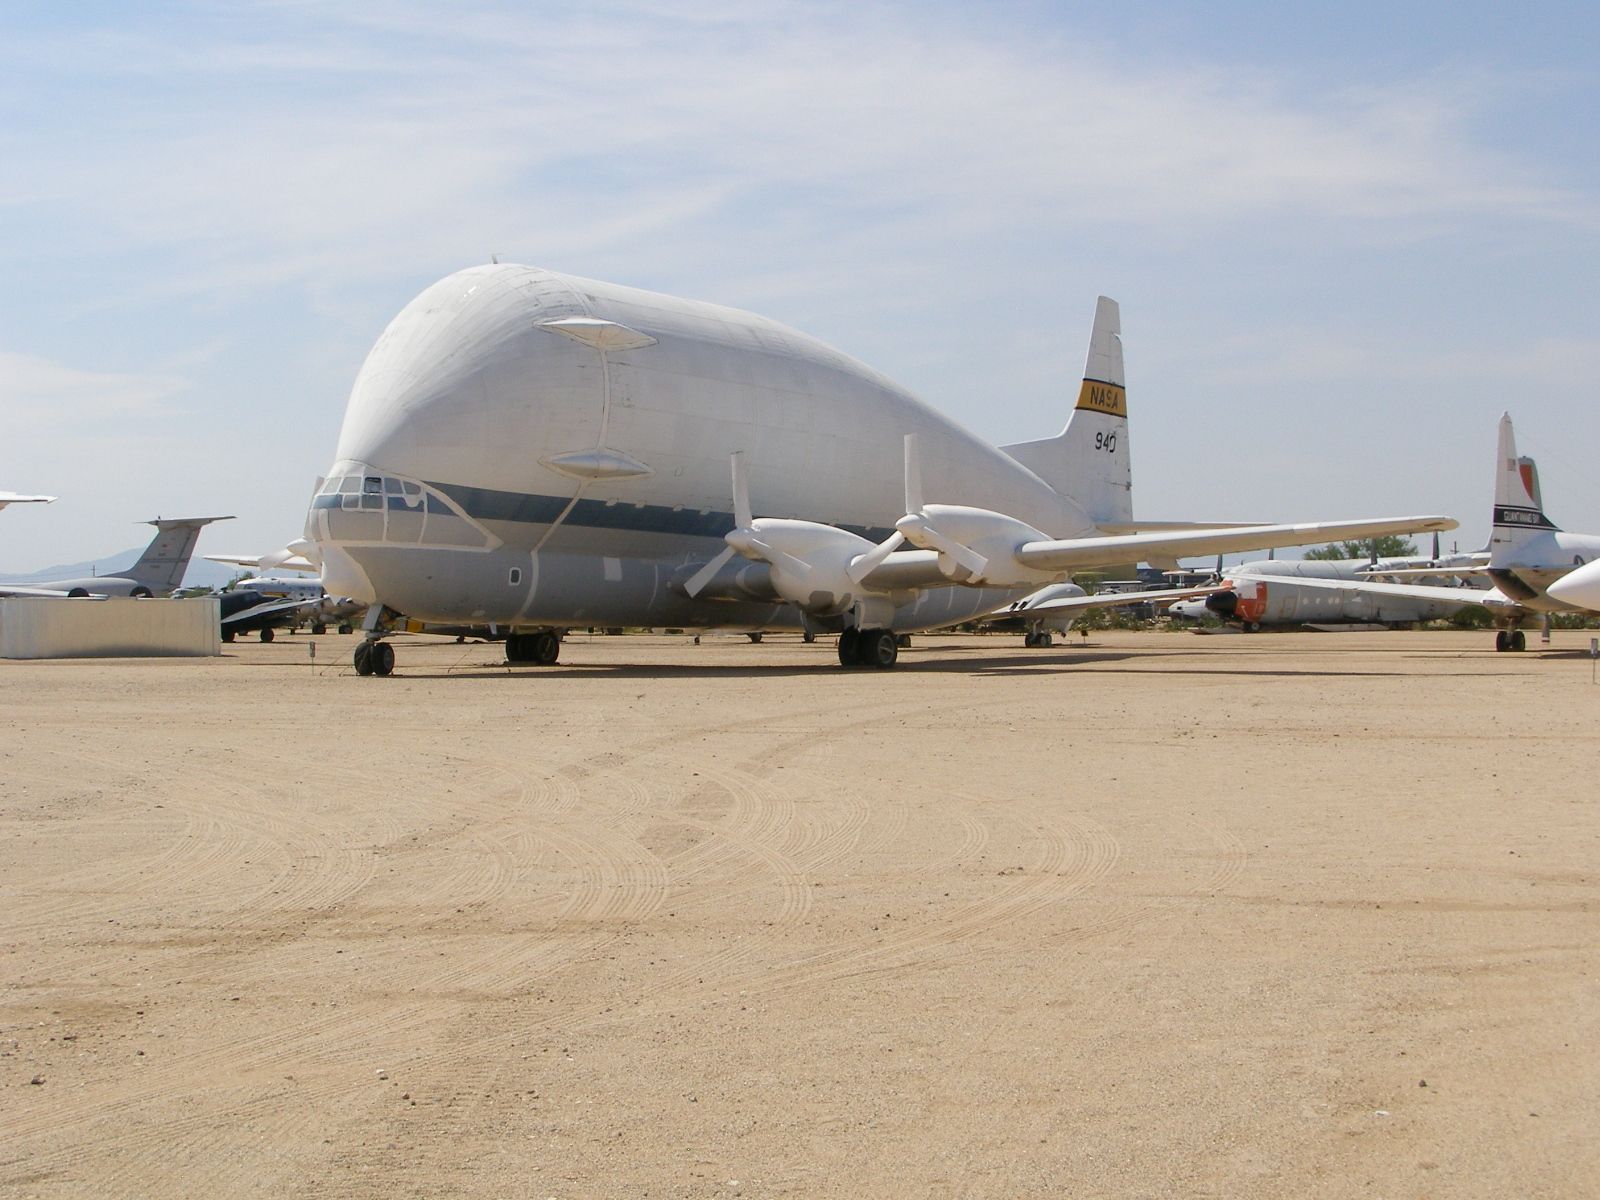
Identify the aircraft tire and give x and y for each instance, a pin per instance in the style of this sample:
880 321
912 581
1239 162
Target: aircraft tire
808 637
755 638
382 658
1501 640
1045 640
227 635
267 634
847 647
1519 640
878 648
1252 626
346 627
363 658
546 648
1030 640
318 628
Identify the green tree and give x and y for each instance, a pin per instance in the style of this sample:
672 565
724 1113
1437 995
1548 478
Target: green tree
1388 546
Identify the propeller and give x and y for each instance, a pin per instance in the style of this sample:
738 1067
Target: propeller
742 519
744 539
917 527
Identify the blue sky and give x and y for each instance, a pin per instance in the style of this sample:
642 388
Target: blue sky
1344 239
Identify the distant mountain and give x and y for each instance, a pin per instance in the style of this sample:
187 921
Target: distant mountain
200 573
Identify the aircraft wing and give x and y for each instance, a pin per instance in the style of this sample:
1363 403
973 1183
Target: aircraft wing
1072 554
294 562
1424 572
1117 599
1489 597
267 610
1115 527
17 498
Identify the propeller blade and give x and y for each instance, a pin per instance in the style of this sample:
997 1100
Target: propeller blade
1435 545
926 533
913 475
865 564
698 581
777 558
741 493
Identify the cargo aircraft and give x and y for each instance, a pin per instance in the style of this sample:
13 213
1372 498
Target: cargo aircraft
539 451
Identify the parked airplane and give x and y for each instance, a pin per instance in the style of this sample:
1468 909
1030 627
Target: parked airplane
17 498
244 610
158 571
539 451
1052 610
1528 554
316 607
1269 592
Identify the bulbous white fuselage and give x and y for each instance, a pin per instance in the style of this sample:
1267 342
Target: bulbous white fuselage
529 448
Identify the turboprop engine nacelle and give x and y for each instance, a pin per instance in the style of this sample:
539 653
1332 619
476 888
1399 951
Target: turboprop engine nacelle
976 544
810 562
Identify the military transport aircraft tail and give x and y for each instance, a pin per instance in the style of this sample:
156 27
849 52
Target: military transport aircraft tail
160 568
1518 506
1088 461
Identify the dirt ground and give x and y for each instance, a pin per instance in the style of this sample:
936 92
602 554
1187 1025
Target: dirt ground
1162 915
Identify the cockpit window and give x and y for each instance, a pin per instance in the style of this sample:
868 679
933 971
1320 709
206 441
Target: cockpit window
350 485
373 485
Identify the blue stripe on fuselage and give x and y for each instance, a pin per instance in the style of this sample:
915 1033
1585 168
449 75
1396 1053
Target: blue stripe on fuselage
487 504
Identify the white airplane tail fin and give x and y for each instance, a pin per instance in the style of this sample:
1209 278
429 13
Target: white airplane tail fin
1518 505
160 568
1089 461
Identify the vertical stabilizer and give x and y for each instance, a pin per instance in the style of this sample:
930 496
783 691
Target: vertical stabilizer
160 568
1518 506
1089 460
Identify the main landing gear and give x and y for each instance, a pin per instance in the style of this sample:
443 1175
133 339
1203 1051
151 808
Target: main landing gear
374 658
542 648
1510 639
868 648
1038 639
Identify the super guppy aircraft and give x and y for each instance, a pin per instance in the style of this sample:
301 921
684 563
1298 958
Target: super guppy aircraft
539 451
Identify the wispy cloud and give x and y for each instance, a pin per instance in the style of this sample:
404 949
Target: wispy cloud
42 396
316 145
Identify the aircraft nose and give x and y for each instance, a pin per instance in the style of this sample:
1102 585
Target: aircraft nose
1580 588
468 366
